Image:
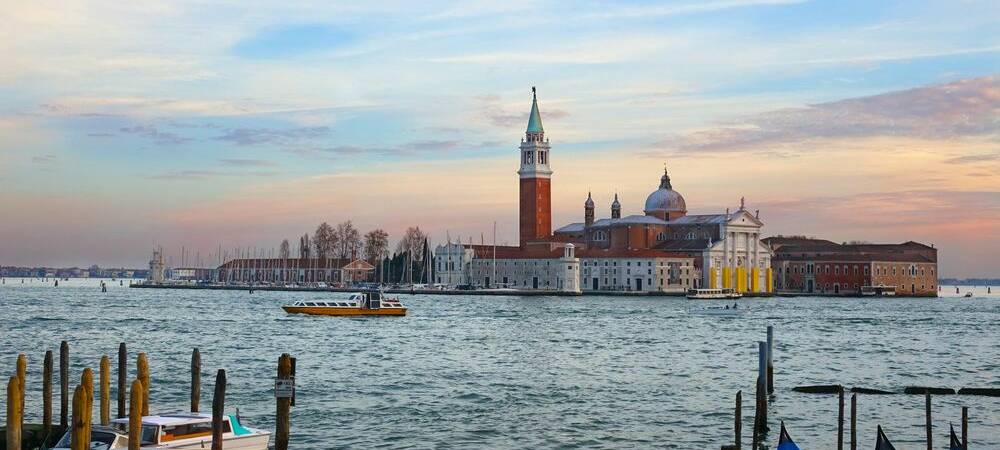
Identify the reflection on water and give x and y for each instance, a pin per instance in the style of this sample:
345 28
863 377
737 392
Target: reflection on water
507 372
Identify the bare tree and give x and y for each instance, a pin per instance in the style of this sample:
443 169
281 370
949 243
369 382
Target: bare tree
304 246
376 245
413 242
348 240
323 240
286 249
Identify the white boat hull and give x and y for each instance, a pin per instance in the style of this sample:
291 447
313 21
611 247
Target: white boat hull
246 442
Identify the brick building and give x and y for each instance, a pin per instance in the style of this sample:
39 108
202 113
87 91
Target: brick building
825 267
295 270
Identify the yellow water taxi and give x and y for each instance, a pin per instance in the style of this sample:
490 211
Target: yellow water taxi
369 303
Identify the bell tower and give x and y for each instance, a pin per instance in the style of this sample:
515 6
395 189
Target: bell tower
535 179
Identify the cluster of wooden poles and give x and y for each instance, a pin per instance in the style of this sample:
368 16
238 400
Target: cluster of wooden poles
138 403
765 387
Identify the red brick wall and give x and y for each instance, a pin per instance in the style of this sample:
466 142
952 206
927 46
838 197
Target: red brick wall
849 276
535 209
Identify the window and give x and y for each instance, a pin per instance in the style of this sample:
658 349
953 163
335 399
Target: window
661 237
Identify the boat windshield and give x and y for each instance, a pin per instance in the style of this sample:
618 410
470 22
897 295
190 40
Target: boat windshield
99 440
149 432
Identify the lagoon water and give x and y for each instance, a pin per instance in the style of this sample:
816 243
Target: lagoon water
509 372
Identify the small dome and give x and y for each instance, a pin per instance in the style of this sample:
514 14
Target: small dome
665 199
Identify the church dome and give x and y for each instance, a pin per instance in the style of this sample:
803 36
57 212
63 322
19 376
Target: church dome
665 199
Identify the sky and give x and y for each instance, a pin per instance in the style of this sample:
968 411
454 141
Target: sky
130 125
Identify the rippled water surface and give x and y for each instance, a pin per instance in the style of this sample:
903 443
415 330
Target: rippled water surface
509 372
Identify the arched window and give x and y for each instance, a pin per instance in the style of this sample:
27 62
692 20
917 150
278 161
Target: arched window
661 236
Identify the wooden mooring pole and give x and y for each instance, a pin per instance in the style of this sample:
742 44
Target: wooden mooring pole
218 409
135 416
122 379
927 410
87 381
965 428
195 380
738 426
770 359
47 395
105 390
760 415
80 434
64 384
840 420
282 420
22 377
142 372
854 421
14 418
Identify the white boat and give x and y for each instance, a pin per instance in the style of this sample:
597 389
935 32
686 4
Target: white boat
368 303
878 291
180 430
713 294
968 294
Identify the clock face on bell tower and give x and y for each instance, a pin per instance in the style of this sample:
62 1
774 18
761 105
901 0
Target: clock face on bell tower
535 179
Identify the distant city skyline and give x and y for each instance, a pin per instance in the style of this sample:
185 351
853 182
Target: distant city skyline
124 127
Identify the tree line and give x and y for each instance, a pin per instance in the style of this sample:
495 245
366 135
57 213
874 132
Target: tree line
345 241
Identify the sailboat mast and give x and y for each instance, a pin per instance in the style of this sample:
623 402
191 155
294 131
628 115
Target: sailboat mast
493 279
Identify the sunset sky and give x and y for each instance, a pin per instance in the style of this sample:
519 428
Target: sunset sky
126 125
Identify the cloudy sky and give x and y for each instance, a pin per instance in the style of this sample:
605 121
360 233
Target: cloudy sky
125 125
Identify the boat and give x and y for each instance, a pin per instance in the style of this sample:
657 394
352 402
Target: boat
180 430
968 294
785 441
878 291
713 294
368 303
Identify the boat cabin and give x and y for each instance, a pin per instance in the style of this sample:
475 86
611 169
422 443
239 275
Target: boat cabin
724 293
167 430
364 300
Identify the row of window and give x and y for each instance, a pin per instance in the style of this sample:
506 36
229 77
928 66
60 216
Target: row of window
614 263
879 270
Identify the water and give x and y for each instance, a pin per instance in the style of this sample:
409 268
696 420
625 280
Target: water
507 372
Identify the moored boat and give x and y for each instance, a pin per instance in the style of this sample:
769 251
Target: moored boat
713 294
368 303
181 430
878 291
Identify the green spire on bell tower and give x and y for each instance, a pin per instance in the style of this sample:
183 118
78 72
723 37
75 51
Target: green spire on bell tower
534 119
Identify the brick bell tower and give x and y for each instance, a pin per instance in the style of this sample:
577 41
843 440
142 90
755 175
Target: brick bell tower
535 179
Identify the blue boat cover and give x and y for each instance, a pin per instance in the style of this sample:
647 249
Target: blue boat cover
882 442
785 441
238 428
